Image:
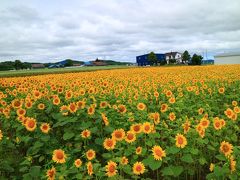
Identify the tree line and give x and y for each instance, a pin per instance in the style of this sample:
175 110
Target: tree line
186 57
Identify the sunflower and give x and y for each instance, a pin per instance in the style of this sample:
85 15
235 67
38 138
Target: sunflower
78 163
124 160
51 173
109 143
21 112
181 141
138 168
68 95
105 119
103 104
59 156
16 103
90 168
64 110
91 110
158 153
72 107
169 93
30 124
211 168
45 127
234 117
138 150
204 122
130 137
90 154
147 128
221 90
80 104
186 126
122 109
200 111
41 106
236 109
86 133
156 117
234 103
111 169
141 106
172 100
217 123
226 148
164 108
172 116
56 100
229 112
1 135
136 128
232 164
118 134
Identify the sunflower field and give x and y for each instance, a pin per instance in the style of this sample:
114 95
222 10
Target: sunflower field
138 123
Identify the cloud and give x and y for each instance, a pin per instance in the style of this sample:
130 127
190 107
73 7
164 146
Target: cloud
118 30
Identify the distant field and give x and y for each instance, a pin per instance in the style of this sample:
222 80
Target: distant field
57 70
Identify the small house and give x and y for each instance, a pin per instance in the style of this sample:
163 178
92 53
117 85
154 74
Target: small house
38 66
174 57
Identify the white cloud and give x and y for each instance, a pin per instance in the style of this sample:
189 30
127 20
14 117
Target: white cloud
118 30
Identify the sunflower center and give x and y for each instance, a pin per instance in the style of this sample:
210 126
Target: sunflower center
111 168
139 168
180 140
109 143
225 148
59 155
31 124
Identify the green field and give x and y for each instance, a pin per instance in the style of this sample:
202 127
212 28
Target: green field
58 70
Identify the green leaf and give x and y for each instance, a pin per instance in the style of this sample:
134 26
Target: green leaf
106 155
23 169
177 170
99 141
172 171
187 158
68 135
172 150
35 171
220 157
167 171
202 161
152 163
108 129
194 151
41 158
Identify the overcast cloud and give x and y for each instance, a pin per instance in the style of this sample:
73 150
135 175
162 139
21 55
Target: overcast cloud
52 30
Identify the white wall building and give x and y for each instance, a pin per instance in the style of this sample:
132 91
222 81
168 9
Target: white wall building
227 59
174 55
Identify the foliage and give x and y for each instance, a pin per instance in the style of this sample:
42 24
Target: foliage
196 59
56 126
186 57
152 58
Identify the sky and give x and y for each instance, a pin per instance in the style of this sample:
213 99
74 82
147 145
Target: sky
53 30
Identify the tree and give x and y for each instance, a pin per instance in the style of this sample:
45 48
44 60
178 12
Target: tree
186 57
69 62
18 64
197 59
152 58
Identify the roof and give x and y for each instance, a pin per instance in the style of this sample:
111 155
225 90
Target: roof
171 53
38 65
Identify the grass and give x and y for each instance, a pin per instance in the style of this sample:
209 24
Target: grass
58 70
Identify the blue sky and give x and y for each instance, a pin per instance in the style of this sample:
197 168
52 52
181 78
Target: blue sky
49 31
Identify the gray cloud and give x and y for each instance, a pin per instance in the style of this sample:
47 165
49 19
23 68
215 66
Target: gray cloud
119 30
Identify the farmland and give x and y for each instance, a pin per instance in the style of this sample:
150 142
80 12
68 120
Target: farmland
149 123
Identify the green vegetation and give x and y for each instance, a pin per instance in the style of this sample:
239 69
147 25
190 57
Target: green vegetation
57 70
152 58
